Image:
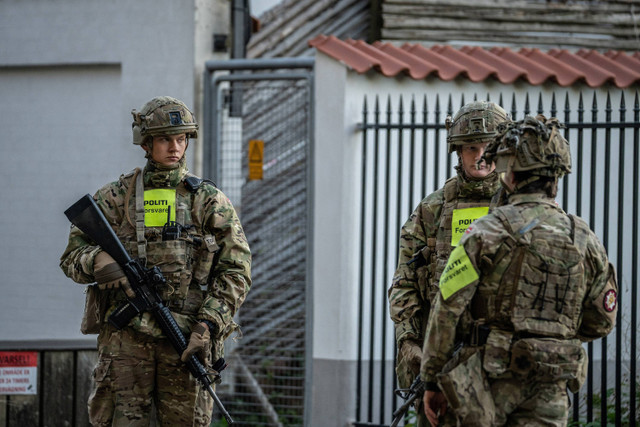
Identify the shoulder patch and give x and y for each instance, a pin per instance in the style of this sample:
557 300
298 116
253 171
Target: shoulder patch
458 273
610 301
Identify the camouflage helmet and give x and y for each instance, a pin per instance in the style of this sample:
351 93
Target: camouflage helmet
474 123
163 115
532 145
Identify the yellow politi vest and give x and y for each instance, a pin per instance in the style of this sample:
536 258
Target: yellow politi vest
159 206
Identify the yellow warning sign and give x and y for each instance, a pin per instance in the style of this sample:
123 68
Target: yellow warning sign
256 158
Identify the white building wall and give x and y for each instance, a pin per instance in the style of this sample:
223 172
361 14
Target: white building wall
70 73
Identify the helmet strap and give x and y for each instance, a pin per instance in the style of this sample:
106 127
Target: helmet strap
147 146
526 182
507 185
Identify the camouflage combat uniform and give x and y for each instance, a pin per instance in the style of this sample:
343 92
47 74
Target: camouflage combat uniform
208 277
537 282
430 233
425 245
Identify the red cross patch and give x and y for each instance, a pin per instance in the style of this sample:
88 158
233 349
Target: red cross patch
610 301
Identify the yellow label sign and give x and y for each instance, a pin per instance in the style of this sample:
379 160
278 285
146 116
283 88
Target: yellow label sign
256 159
462 219
458 273
157 205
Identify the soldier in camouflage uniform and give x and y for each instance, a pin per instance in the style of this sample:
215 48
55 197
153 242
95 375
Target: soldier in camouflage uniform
536 283
434 228
207 270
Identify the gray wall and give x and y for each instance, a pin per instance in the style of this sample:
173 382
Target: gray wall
70 73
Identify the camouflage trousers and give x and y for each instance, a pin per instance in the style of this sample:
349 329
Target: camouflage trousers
530 403
135 373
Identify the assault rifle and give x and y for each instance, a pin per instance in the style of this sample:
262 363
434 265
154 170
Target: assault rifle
409 395
86 215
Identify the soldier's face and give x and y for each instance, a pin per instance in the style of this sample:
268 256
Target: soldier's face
167 149
469 156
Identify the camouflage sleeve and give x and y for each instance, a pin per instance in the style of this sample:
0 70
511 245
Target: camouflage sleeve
440 336
77 260
462 274
407 305
601 301
231 276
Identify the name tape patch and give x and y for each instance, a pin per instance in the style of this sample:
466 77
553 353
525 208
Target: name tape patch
462 219
458 273
156 206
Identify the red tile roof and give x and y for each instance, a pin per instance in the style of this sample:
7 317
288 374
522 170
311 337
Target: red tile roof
478 64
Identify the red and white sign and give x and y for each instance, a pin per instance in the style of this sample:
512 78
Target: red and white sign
18 372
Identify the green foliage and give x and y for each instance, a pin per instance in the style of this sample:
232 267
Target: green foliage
625 408
219 423
411 418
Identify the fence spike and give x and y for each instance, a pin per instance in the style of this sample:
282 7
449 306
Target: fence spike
580 107
540 109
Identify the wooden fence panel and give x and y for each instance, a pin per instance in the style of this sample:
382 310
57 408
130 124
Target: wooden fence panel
64 385
57 389
85 361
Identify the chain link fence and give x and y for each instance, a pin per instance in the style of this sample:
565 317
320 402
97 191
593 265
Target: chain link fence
264 383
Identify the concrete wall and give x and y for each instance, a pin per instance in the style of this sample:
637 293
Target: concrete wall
70 73
334 296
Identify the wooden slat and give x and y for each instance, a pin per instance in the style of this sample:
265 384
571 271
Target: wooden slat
595 25
291 24
24 410
3 411
566 23
57 389
456 38
621 5
85 362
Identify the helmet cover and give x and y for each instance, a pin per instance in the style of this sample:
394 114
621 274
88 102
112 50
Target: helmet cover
476 122
532 145
163 115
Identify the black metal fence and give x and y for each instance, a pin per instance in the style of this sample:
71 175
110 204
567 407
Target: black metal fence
404 158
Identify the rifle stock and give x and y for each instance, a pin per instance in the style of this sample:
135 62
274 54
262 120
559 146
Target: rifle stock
87 216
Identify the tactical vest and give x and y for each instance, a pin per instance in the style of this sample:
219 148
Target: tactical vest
186 262
536 283
440 247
